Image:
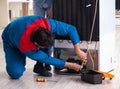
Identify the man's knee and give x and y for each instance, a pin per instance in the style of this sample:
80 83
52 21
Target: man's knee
15 74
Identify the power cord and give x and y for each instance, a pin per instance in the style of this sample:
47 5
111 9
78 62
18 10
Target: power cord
90 40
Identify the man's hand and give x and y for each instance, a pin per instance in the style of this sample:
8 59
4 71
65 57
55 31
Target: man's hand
73 66
81 54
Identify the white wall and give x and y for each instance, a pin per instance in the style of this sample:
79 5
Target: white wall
4 13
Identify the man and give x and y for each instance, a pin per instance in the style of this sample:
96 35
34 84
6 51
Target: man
32 36
43 8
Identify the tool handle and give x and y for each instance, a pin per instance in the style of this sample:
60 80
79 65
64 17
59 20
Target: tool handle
41 80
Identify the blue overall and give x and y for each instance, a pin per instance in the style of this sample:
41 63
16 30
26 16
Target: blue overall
17 44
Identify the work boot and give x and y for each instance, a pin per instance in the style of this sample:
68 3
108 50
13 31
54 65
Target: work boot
47 67
39 69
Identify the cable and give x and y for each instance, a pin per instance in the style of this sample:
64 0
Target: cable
88 50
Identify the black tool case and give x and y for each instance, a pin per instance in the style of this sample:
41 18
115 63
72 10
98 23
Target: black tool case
91 76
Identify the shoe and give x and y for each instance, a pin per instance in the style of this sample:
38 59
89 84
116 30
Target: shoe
47 67
42 71
45 73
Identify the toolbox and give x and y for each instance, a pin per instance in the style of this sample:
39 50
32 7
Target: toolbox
91 76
